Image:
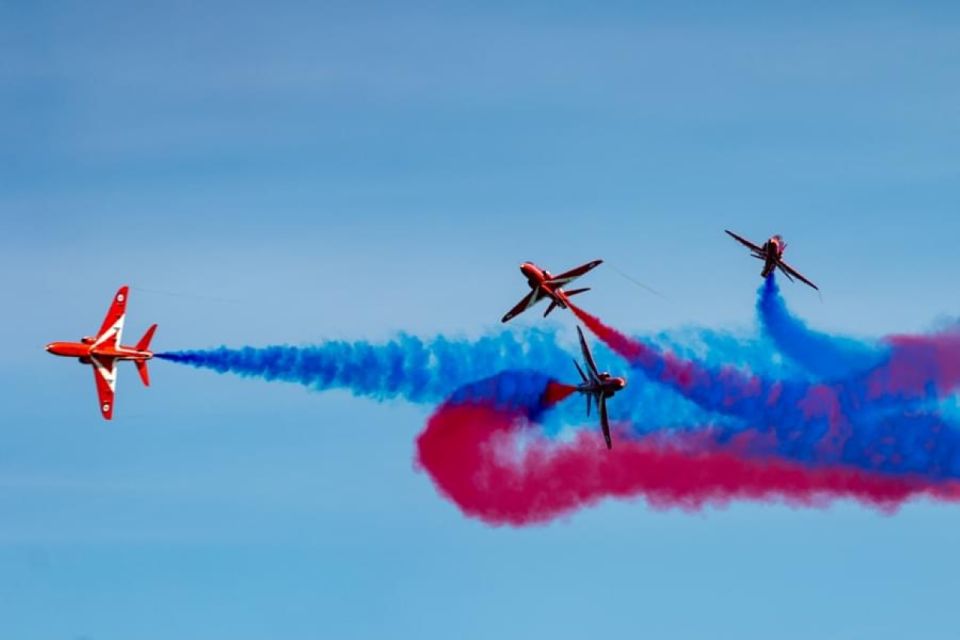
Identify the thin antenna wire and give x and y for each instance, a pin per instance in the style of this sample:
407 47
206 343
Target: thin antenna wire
638 283
194 296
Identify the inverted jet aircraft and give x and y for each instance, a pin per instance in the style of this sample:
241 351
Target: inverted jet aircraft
597 386
543 284
772 255
104 350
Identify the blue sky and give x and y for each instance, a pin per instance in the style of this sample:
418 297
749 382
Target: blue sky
314 171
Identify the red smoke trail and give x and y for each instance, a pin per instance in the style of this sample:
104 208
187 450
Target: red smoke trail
628 348
724 386
476 459
671 370
556 392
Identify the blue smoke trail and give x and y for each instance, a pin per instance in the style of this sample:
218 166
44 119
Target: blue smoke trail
510 390
818 423
650 407
823 355
406 367
427 371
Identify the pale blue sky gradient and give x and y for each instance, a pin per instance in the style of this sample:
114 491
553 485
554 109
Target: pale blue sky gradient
315 171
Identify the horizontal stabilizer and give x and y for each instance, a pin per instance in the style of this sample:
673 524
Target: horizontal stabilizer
574 292
142 370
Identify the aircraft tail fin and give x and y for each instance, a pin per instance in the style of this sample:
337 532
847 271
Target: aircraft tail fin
574 292
144 343
142 370
553 305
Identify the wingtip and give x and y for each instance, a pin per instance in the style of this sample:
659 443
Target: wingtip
122 294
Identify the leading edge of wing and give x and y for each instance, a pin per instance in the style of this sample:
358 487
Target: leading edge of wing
528 301
587 356
112 327
571 275
105 376
796 274
743 240
605 421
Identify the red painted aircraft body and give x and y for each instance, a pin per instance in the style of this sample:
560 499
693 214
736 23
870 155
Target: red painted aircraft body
597 386
543 285
104 350
772 255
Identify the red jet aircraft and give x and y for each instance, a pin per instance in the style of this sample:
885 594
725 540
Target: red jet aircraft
104 351
597 386
546 285
772 255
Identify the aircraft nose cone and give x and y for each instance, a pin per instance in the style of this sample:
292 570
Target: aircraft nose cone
49 348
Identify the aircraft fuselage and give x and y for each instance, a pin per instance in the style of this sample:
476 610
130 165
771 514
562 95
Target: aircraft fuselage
606 387
772 254
84 350
537 279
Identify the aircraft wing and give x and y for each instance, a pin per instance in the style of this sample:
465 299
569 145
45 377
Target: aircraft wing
112 327
580 371
531 299
605 421
569 276
588 357
105 375
790 271
743 241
